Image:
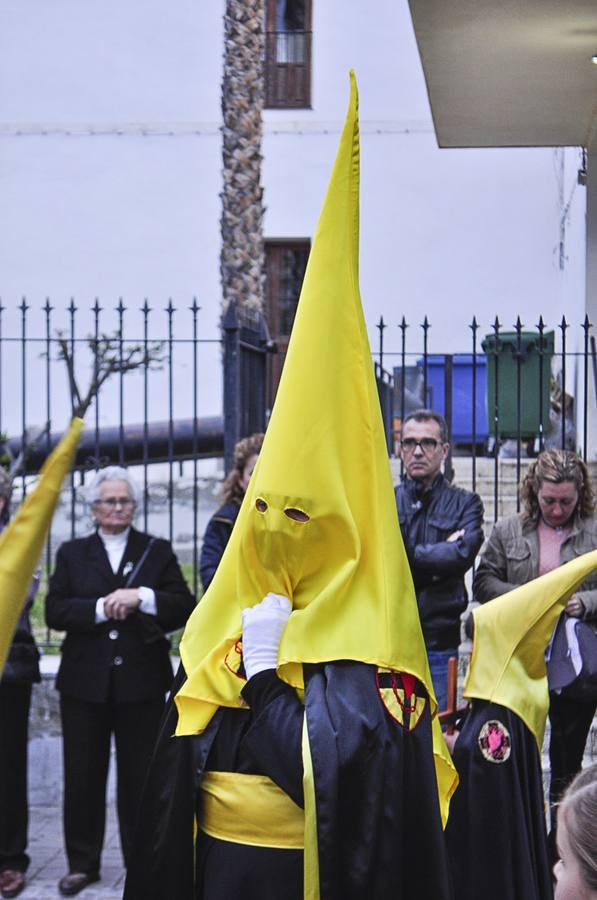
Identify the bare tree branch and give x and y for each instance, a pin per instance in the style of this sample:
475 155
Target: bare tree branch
110 357
31 439
68 357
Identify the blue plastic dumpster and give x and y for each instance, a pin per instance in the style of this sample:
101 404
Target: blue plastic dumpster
461 431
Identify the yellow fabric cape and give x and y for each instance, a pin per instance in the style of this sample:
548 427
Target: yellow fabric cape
345 570
511 635
22 541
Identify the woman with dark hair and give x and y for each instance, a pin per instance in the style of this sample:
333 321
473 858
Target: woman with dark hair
20 671
219 528
557 523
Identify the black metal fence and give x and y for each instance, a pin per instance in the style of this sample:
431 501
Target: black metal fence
508 394
246 344
159 412
159 416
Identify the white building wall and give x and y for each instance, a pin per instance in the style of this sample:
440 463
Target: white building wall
444 233
110 178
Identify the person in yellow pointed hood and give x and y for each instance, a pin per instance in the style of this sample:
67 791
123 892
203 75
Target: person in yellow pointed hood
496 833
557 523
325 455
307 694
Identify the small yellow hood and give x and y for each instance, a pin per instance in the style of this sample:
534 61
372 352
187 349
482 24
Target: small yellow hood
511 635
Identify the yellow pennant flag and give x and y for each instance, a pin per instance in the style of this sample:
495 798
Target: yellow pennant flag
22 541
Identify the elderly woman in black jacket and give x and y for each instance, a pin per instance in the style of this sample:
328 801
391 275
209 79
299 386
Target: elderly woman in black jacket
19 674
116 593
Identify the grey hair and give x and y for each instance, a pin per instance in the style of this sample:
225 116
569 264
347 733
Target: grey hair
110 473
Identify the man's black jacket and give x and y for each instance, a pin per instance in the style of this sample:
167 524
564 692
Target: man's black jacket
427 518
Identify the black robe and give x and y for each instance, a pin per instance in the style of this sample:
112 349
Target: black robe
379 828
496 833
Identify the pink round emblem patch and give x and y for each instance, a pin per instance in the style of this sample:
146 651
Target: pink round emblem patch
494 741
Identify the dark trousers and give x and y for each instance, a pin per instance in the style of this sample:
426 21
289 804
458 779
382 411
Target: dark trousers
570 724
15 700
86 732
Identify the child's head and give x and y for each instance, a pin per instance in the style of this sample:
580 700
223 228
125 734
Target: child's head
576 871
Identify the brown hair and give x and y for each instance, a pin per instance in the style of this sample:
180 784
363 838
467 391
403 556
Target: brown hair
232 490
557 466
579 808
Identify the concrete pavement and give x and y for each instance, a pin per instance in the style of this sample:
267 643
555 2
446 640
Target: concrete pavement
48 863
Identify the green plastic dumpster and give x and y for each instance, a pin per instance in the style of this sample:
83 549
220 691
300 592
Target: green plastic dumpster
530 356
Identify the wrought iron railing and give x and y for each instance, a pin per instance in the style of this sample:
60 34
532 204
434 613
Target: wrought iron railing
509 393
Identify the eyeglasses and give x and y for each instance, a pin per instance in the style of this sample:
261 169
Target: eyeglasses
427 445
113 502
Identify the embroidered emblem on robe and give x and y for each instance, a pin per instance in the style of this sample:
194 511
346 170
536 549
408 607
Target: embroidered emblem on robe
494 741
403 696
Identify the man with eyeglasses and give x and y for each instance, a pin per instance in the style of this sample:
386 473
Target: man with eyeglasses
442 531
116 593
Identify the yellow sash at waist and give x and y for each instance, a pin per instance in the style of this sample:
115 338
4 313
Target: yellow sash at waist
250 809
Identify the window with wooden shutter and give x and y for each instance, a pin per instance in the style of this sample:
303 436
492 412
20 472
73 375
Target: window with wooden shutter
288 54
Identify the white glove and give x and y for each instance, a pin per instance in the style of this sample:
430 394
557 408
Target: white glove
263 626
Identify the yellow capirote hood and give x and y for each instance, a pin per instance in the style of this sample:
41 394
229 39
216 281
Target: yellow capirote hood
345 569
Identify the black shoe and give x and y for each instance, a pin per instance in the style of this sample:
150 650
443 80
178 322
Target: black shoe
12 882
74 882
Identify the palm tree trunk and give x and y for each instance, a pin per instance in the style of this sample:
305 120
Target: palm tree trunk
242 261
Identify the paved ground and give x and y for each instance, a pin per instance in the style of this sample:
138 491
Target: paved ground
48 863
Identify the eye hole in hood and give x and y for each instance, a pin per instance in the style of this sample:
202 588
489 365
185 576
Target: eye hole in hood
296 514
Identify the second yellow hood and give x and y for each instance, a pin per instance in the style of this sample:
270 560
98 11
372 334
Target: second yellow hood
511 635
